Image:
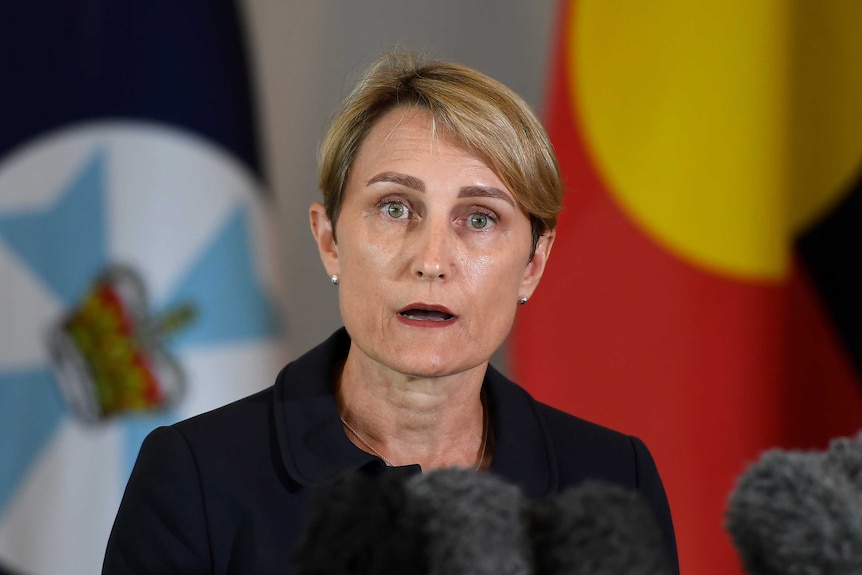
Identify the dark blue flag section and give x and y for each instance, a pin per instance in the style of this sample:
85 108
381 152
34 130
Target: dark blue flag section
179 63
133 254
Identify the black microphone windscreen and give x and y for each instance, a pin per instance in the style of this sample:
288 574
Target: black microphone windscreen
789 515
845 457
361 524
474 523
597 529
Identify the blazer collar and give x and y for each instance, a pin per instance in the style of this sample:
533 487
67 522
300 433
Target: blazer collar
315 449
312 442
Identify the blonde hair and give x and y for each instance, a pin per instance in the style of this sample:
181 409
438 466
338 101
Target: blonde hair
486 117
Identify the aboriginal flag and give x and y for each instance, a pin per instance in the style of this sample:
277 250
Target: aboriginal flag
703 291
134 271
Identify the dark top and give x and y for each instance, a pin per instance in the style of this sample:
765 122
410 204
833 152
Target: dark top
223 492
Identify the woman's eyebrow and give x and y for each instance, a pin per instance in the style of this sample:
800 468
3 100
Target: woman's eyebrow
486 192
415 183
402 179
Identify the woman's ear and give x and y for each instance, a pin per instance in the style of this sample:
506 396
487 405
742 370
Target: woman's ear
324 235
536 266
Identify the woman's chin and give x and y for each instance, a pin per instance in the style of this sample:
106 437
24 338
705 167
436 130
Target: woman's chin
429 365
424 352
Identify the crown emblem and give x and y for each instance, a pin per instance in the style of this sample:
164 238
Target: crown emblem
109 352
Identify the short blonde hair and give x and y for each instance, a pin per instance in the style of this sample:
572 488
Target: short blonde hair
489 119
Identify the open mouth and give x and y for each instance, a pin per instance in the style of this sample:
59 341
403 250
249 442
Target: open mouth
429 313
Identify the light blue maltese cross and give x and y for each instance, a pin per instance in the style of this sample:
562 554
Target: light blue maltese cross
66 247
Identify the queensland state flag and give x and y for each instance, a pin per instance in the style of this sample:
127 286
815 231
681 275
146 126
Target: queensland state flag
704 290
135 285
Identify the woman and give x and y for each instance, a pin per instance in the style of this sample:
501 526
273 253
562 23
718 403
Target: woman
440 200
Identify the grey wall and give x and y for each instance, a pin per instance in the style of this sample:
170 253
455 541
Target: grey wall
305 52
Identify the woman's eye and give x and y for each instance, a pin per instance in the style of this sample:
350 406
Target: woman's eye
395 210
479 221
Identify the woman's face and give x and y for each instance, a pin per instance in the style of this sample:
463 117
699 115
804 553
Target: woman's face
432 252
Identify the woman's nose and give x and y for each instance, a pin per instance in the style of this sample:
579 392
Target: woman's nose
433 258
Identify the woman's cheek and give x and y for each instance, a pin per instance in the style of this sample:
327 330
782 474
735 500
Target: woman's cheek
477 270
380 254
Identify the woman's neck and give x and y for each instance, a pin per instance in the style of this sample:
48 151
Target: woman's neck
435 422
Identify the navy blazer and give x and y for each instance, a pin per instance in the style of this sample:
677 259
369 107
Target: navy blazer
223 492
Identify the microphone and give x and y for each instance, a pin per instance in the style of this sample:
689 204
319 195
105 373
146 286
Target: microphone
361 524
799 512
597 528
474 523
844 457
458 522
449 521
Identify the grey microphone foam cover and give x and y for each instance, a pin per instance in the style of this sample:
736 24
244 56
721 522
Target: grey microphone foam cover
597 529
789 514
845 457
474 523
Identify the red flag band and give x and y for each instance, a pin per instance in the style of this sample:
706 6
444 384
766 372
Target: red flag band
699 144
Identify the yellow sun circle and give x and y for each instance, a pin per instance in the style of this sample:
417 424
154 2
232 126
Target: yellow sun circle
723 128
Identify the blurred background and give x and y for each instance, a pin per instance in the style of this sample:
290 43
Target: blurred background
157 160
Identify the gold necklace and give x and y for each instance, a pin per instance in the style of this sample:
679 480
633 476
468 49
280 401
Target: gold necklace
390 464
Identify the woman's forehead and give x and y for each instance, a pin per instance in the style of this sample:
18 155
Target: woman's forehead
409 134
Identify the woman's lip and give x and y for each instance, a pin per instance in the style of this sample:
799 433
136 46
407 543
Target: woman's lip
427 307
425 323
416 315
